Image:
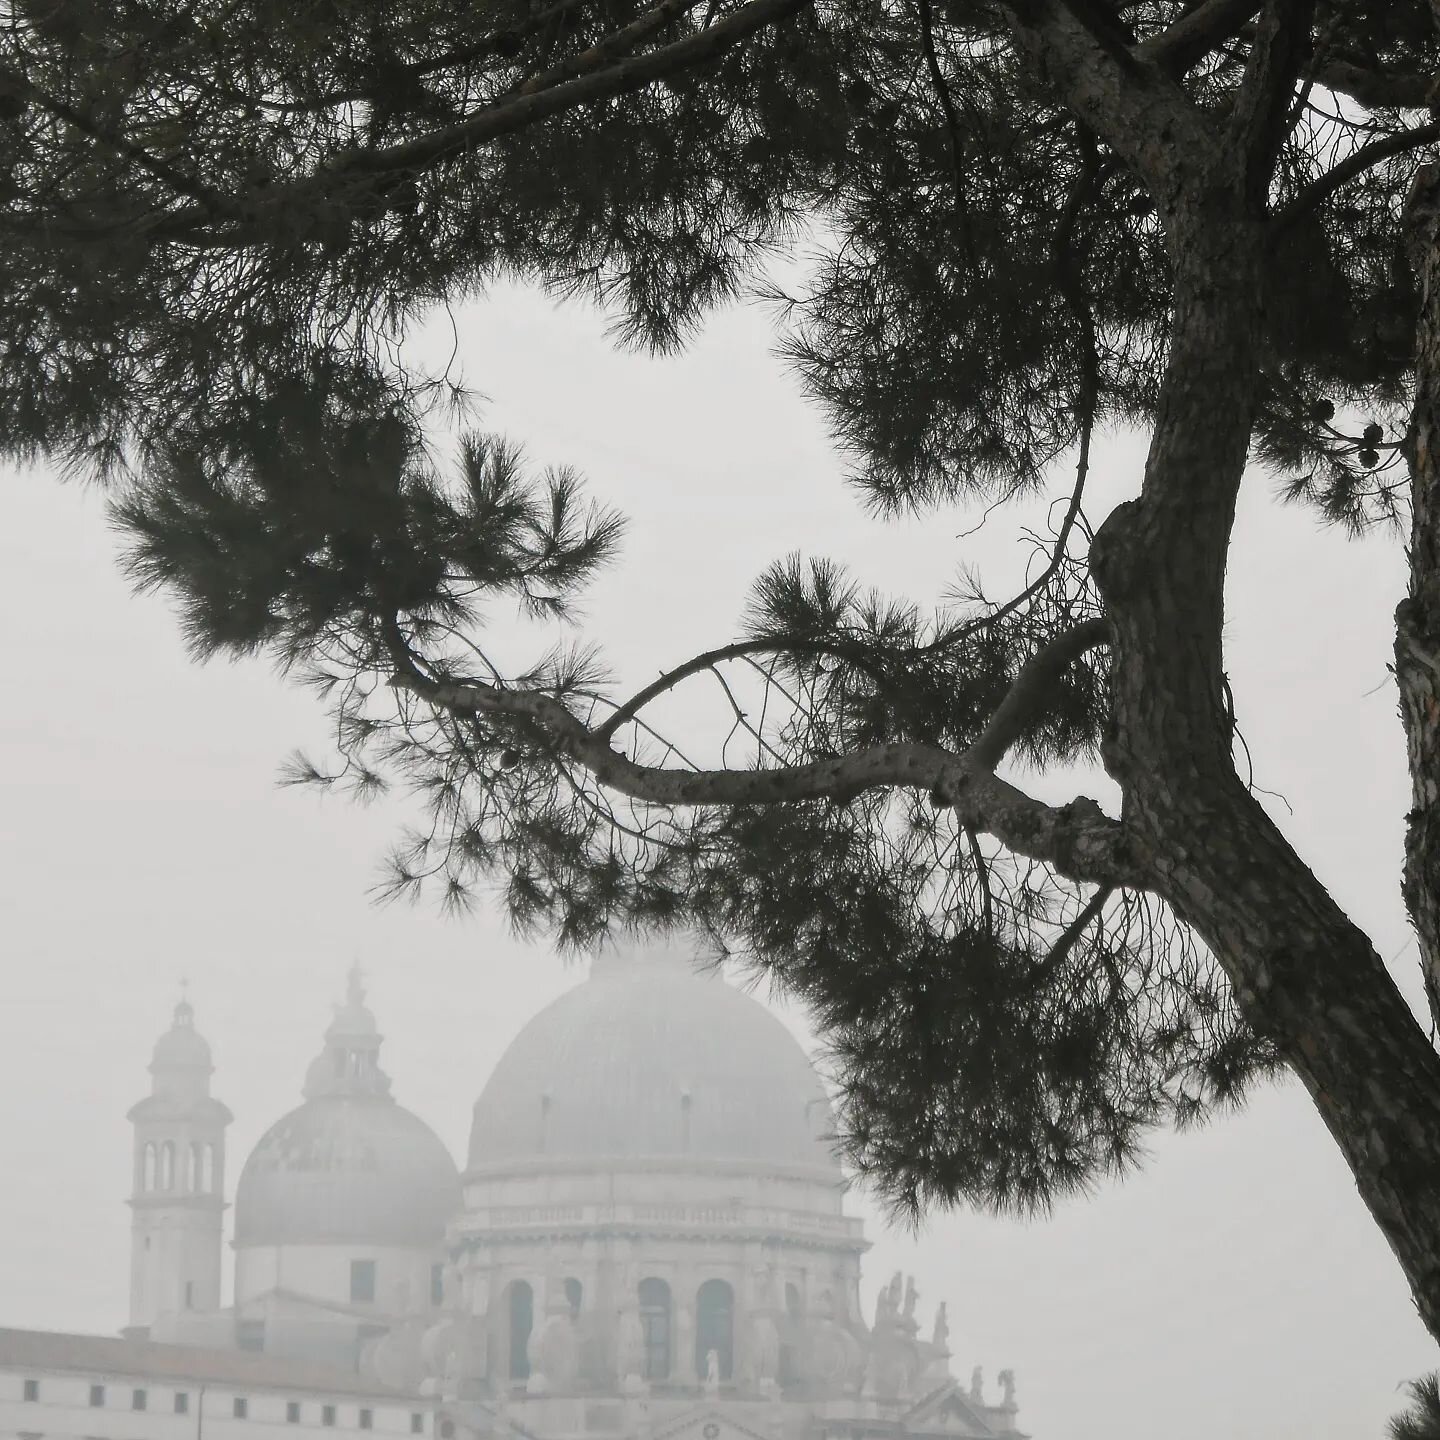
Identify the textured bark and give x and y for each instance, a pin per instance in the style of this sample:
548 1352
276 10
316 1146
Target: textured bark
1302 972
1417 618
1125 97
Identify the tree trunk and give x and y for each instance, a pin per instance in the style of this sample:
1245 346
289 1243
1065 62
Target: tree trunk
1302 973
1417 617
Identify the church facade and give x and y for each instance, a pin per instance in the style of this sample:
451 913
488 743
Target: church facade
649 1239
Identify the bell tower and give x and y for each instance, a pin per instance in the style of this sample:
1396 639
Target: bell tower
177 1195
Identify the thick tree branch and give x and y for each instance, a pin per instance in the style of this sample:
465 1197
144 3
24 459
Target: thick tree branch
1190 39
1078 839
1375 89
1123 96
1365 158
1261 118
1032 687
1062 947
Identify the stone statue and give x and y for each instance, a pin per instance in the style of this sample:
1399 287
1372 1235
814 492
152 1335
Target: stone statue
940 1339
897 1291
559 1355
765 1347
1007 1385
763 1280
712 1372
884 1310
977 1385
912 1296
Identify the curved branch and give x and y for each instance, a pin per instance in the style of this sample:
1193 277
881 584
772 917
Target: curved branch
1032 687
1079 840
1191 38
669 679
739 650
1365 158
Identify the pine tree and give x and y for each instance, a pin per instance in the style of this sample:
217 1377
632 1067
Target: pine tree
1422 1420
1042 216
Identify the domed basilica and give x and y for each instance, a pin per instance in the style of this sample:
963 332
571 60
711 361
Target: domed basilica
649 1237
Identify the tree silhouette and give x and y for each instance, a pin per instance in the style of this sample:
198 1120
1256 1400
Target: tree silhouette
1038 217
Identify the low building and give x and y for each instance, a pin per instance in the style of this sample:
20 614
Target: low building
54 1385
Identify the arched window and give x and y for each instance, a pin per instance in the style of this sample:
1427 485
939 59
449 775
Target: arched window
574 1296
655 1326
167 1165
207 1171
147 1177
198 1180
522 1319
715 1328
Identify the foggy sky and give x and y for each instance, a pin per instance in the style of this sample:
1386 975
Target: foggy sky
1236 1287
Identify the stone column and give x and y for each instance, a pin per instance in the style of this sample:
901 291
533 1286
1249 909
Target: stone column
683 1369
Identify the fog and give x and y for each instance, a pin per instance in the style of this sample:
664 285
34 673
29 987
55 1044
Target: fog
1235 1286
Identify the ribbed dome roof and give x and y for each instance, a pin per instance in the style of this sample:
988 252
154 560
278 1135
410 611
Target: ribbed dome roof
650 1059
347 1168
349 1165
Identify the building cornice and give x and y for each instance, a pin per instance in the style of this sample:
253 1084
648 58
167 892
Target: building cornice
531 1166
177 1200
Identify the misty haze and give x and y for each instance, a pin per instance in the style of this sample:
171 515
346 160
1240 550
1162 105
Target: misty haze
723 720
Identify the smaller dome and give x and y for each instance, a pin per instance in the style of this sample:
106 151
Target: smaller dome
182 1047
349 1165
345 1168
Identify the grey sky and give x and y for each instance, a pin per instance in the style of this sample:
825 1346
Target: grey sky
1237 1287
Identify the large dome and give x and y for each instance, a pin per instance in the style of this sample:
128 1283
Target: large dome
349 1165
347 1168
649 1059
